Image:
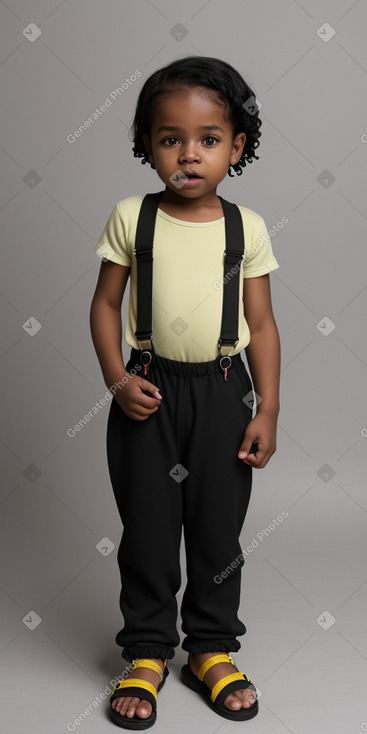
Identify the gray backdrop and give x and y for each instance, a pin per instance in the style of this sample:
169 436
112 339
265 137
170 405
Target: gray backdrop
304 582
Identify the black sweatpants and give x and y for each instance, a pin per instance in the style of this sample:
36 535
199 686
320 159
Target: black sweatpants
179 469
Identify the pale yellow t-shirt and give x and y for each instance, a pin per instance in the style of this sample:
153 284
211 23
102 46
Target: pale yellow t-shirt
188 272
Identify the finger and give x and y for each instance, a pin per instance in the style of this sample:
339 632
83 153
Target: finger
143 416
251 460
144 409
149 387
254 455
257 461
141 407
248 447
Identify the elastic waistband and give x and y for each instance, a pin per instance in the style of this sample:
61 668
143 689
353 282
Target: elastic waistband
187 369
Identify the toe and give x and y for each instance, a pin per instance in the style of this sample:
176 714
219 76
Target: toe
122 704
233 702
248 697
243 698
116 704
144 709
131 708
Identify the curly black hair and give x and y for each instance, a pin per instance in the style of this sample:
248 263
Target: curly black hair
201 71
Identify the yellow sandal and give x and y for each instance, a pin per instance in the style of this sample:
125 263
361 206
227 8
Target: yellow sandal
133 687
215 697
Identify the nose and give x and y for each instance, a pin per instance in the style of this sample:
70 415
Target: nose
190 152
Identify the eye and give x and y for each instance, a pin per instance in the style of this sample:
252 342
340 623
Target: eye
165 141
169 142
210 137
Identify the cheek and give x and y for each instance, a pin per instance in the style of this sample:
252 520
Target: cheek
164 153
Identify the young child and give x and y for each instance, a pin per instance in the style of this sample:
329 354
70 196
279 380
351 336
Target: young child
181 439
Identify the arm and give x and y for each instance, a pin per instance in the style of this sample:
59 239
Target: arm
263 356
106 330
105 320
263 351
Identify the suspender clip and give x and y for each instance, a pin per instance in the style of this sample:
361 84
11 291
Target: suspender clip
144 339
225 369
224 349
145 344
232 257
144 255
146 364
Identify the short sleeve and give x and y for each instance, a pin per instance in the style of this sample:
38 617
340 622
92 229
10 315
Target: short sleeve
259 258
112 243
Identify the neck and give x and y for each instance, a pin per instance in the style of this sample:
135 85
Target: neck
207 200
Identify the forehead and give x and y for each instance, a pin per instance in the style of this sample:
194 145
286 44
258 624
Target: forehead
193 106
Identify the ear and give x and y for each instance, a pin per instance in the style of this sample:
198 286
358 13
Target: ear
148 145
237 148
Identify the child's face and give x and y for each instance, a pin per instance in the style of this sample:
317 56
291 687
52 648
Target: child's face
186 146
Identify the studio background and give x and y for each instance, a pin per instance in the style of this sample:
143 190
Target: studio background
304 583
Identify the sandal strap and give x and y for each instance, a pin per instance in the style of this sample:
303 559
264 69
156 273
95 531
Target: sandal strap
139 682
135 683
223 682
224 658
146 663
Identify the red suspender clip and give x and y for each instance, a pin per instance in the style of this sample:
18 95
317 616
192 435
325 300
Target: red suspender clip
225 369
146 364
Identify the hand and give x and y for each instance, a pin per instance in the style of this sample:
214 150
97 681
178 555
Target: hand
134 401
262 430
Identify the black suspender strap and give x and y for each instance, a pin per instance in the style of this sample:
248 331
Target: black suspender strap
234 252
144 256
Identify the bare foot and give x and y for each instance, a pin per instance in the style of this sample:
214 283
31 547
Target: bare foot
130 705
243 698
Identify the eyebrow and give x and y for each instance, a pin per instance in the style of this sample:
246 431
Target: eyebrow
173 128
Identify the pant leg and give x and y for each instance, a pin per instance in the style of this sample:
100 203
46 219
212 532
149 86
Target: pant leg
216 495
140 457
